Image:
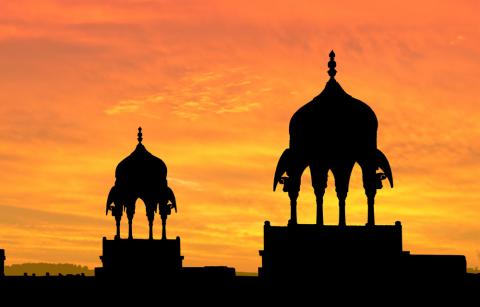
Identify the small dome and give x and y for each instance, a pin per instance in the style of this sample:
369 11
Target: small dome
141 168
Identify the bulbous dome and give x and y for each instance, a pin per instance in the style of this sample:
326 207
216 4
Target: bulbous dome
331 117
141 168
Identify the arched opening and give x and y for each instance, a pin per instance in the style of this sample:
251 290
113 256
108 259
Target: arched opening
140 222
356 203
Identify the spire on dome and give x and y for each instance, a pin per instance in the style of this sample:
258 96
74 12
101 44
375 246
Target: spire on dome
331 65
139 138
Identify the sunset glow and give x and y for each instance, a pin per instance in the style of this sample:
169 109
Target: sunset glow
213 85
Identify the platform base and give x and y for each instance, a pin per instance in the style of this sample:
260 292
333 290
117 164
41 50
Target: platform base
126 257
350 253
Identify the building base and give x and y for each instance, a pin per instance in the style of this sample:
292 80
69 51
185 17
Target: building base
126 257
350 253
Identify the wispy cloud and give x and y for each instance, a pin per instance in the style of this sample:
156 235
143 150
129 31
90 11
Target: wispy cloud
133 105
190 184
245 107
228 91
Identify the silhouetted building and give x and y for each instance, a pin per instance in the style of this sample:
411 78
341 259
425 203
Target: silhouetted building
143 176
332 133
315 262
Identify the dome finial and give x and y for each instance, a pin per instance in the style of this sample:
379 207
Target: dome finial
139 138
331 65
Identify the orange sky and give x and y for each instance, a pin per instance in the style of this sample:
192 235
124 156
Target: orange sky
214 84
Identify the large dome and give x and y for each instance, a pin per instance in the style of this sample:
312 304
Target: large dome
332 117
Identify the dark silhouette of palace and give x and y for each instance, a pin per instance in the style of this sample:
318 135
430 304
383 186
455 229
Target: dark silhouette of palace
330 133
333 132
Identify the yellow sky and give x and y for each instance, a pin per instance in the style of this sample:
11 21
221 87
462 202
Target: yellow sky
214 84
